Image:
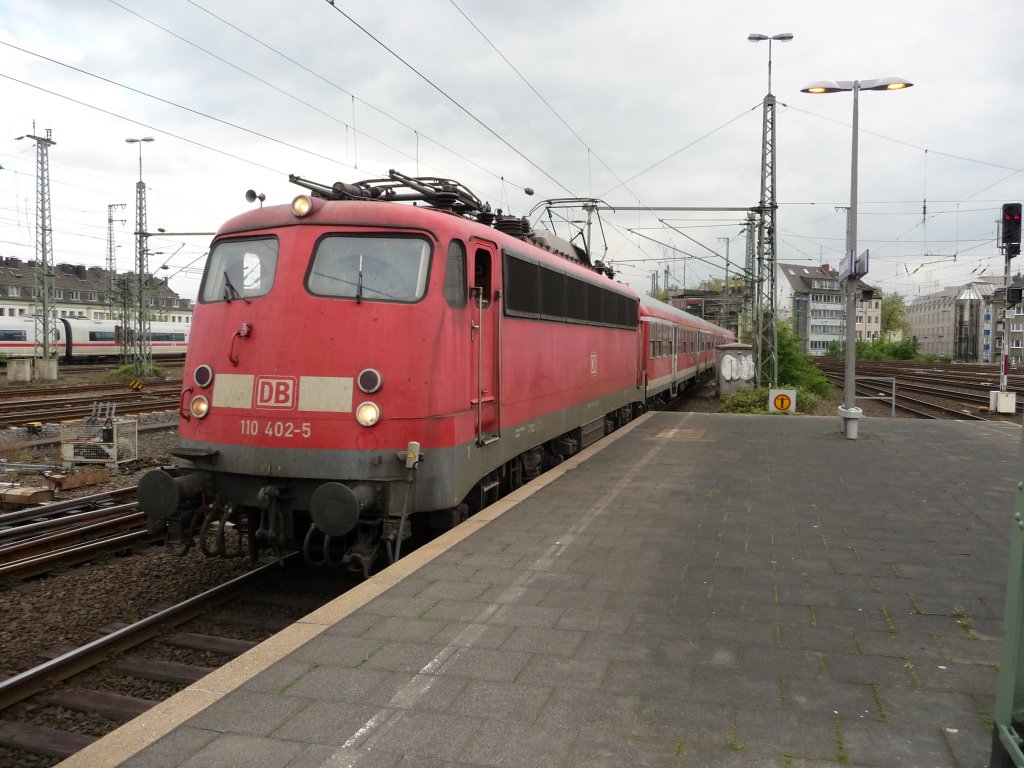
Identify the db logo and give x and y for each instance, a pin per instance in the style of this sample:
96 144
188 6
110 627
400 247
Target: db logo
273 392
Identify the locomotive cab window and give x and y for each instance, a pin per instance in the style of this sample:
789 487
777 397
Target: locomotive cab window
482 278
370 268
239 269
455 275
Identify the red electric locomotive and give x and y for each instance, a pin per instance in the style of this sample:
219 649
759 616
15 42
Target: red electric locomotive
357 363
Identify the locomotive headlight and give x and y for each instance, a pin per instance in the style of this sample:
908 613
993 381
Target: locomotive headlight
302 205
368 414
199 406
369 380
203 375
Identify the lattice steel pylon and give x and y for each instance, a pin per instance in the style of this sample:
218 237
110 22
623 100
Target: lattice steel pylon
142 350
766 338
44 247
750 281
111 282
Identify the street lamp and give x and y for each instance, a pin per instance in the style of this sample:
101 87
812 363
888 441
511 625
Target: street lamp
848 411
139 142
782 37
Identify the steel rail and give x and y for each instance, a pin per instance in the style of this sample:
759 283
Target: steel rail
30 682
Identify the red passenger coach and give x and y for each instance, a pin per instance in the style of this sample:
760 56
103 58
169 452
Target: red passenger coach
679 349
359 364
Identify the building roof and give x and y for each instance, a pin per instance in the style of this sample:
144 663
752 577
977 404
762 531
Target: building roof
73 277
800 276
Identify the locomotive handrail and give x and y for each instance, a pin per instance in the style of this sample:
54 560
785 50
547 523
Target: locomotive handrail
182 410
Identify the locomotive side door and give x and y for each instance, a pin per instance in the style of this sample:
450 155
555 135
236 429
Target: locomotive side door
485 336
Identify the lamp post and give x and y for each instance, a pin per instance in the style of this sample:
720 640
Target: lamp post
848 411
139 142
782 37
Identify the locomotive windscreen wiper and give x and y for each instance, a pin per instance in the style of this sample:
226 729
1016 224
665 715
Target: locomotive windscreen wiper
230 292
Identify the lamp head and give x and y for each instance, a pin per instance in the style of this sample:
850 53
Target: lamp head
886 84
878 84
782 37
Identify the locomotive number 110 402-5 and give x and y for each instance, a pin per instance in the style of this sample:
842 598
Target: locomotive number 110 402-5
286 429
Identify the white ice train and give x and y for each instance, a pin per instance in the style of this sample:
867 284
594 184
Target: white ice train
78 338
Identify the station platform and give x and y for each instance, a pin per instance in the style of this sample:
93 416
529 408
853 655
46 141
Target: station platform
695 590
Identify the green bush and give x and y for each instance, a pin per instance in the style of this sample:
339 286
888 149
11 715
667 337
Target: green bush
746 400
795 369
755 400
880 349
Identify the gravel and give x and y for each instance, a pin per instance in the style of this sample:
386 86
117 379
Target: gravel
75 605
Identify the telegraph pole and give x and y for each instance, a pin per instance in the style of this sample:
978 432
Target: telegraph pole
44 246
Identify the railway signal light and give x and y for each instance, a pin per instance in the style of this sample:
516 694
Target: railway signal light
1014 295
1010 228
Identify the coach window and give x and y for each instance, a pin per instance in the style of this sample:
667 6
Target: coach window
239 269
482 276
455 275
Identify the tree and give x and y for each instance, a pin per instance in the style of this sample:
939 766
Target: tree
795 369
717 284
894 314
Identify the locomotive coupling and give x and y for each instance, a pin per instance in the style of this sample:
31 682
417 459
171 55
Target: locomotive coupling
161 494
335 507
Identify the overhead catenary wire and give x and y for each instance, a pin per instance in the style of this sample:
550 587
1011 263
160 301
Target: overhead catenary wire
562 120
418 133
450 98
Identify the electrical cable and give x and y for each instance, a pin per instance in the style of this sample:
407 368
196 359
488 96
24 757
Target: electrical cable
441 91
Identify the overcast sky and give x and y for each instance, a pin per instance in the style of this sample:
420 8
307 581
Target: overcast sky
638 103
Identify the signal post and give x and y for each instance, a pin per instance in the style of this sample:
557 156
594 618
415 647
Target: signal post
1009 240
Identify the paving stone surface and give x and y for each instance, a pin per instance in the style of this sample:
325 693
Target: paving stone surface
707 590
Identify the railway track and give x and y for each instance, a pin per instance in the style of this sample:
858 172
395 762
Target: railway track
928 391
64 704
41 538
64 404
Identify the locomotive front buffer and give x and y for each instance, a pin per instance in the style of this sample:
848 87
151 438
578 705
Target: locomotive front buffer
342 524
